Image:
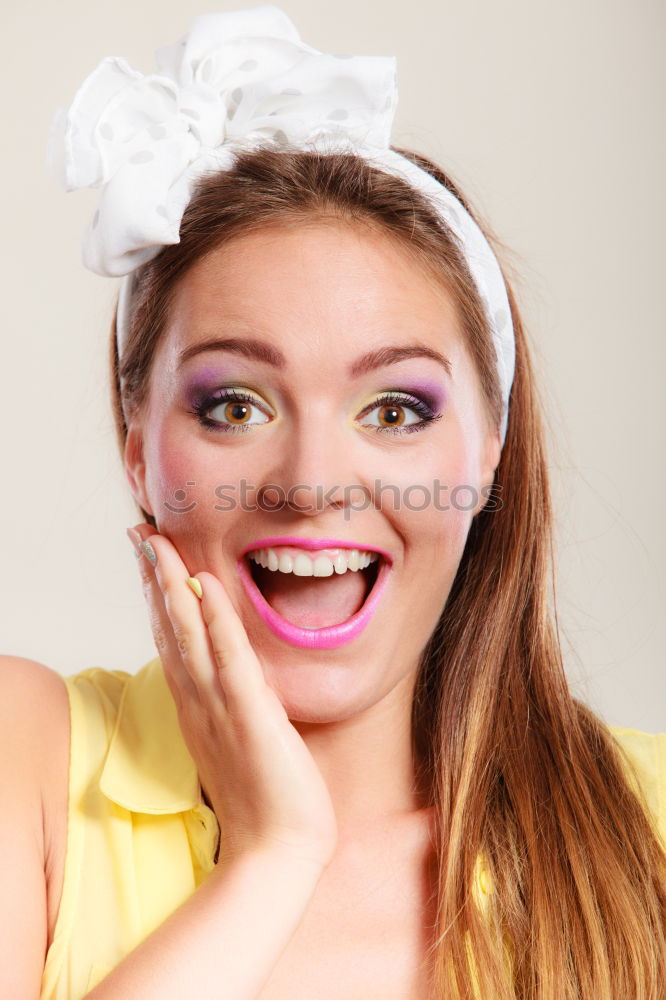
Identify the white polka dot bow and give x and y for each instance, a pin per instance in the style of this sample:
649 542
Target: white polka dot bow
239 78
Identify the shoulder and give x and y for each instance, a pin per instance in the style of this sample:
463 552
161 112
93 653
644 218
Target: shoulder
34 756
34 735
41 713
33 703
644 757
41 710
34 698
22 675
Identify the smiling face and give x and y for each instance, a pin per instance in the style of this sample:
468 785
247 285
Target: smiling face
404 476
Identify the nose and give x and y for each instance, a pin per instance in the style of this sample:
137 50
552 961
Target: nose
315 469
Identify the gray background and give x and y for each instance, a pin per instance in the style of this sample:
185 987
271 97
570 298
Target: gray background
551 117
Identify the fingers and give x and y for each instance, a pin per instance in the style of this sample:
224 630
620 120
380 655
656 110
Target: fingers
237 666
183 609
204 636
180 682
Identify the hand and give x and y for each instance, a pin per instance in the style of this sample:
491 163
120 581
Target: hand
262 781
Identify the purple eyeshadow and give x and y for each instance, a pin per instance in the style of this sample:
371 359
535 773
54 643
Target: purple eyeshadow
432 392
203 383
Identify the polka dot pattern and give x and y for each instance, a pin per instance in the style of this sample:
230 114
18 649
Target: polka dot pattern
240 77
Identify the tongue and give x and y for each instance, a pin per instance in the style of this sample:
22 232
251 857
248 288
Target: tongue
313 601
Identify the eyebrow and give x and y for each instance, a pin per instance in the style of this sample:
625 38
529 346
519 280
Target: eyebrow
391 355
259 351
246 346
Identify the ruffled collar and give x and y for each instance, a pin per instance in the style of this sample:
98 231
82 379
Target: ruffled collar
148 767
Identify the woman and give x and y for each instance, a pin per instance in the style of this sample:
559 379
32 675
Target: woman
351 773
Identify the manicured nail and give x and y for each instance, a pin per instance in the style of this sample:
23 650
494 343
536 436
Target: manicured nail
134 538
148 551
194 584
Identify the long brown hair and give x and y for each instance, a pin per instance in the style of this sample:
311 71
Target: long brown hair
520 772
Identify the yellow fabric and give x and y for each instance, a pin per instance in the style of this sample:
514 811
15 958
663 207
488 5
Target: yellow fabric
140 838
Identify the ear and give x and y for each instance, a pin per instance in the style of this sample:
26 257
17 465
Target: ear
135 467
490 457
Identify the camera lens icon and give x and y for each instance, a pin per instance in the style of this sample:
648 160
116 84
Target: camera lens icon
180 496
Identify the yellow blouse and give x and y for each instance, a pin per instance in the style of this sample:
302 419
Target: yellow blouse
140 838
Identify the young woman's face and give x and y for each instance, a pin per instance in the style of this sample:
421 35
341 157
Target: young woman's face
339 404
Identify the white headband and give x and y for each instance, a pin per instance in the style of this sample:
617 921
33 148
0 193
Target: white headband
240 78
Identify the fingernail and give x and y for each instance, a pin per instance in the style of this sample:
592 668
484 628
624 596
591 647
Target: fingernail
134 538
148 551
194 584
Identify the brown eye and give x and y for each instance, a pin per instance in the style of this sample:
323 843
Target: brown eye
391 416
231 410
237 413
399 413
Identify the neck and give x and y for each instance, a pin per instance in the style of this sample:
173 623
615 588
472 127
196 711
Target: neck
367 762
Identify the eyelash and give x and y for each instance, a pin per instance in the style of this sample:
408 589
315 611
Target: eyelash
406 400
427 414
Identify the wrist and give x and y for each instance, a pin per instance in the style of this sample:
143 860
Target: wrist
274 857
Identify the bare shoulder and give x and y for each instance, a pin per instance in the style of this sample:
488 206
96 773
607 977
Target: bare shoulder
34 766
34 729
27 677
34 715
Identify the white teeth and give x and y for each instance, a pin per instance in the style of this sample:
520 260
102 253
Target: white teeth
285 563
302 566
317 565
273 561
322 566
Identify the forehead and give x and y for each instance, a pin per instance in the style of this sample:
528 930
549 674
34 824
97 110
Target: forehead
316 289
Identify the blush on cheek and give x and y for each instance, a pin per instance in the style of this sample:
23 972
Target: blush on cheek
172 472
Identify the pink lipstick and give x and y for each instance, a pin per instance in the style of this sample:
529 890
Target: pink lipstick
330 637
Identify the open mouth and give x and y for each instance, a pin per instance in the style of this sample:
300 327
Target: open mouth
315 601
319 603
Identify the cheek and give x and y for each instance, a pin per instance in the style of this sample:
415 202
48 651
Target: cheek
179 477
437 486
438 494
170 466
187 474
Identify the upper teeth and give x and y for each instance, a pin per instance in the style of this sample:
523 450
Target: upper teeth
315 565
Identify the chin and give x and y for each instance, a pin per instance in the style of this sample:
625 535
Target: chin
313 690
